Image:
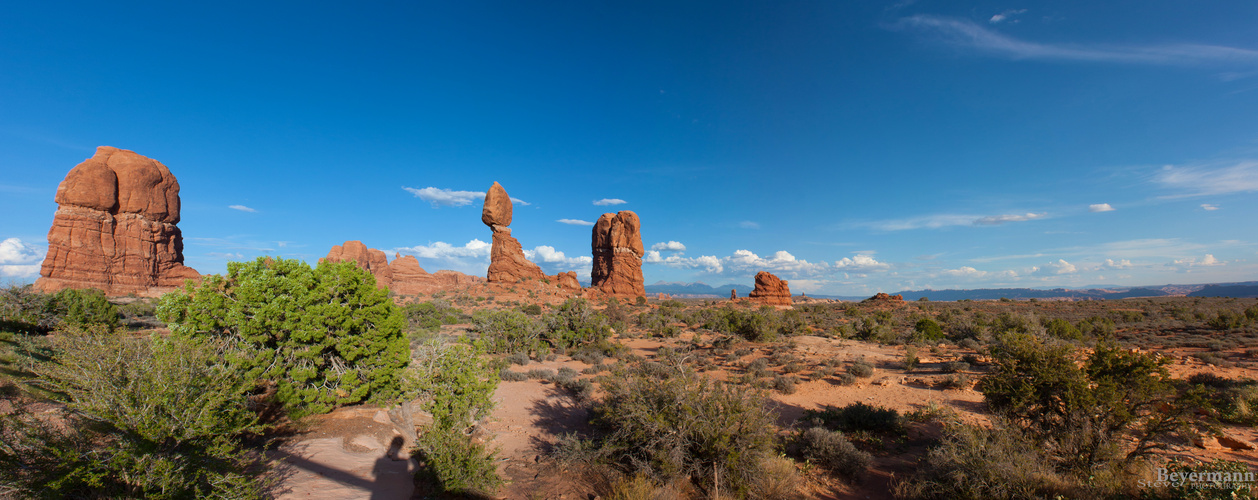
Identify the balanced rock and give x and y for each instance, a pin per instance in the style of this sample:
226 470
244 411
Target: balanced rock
618 251
770 290
115 228
507 263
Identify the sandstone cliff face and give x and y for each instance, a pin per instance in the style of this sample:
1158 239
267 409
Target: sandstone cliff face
617 247
507 263
770 290
403 276
114 228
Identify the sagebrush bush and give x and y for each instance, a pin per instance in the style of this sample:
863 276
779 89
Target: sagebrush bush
151 418
84 308
856 417
977 463
325 336
675 425
833 451
24 310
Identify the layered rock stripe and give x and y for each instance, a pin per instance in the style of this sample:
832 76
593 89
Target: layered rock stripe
770 290
115 228
617 247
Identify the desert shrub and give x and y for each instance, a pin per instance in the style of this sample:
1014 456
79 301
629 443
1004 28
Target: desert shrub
927 330
1082 413
1062 329
454 384
856 417
512 376
507 331
955 381
846 378
83 308
150 418
970 343
26 311
784 384
326 336
1226 320
429 316
861 368
955 366
978 463
833 451
531 309
1096 326
542 374
1235 401
1212 481
518 358
574 323
684 426
910 358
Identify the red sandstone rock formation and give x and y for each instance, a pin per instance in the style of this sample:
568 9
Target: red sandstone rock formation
568 281
115 228
403 276
733 294
770 290
885 299
617 248
507 263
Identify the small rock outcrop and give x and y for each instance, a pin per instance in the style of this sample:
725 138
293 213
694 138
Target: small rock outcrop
568 281
882 298
403 276
618 251
733 294
115 228
770 290
507 263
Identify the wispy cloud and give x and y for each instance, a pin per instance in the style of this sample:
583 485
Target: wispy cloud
1209 207
241 208
1187 263
1237 176
1005 16
970 35
1054 268
445 197
610 201
860 263
992 220
672 246
749 225
1100 207
575 222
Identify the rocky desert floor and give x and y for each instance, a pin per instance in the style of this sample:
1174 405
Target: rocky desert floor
356 453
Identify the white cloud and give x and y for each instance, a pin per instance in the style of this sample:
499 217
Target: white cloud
967 34
1187 262
781 261
708 263
672 246
1055 268
1210 178
475 249
992 220
547 256
450 198
1119 264
965 272
19 259
749 225
242 208
610 201
575 222
1004 16
860 263
1209 207
1100 207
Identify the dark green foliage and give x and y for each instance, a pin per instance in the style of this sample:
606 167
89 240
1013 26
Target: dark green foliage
1235 401
325 336
507 331
152 418
1062 329
1226 320
84 308
833 451
927 330
861 368
531 309
574 323
955 366
1211 483
856 417
429 316
24 310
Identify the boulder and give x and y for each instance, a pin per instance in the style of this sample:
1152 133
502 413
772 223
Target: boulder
770 290
617 246
115 228
497 209
568 281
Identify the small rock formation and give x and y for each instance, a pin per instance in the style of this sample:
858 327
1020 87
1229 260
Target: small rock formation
770 290
568 281
507 263
617 247
115 228
882 298
403 276
733 294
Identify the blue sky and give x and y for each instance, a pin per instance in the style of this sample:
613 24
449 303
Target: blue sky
850 147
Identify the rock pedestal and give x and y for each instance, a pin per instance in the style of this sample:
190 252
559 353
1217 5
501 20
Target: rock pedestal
115 228
618 251
507 263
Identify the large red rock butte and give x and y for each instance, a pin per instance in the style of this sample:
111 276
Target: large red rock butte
617 248
507 263
115 228
403 276
770 290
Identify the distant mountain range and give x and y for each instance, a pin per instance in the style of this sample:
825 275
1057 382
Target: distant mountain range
1246 289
